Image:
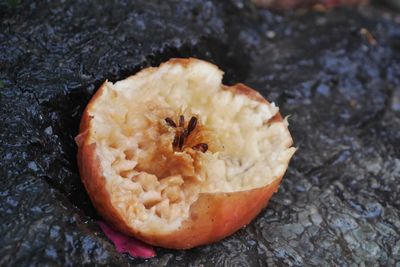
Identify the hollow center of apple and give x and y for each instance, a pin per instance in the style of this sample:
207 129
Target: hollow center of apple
179 144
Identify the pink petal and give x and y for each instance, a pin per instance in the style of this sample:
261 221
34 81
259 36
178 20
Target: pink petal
124 243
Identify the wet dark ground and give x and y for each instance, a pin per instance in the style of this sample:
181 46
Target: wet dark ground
339 203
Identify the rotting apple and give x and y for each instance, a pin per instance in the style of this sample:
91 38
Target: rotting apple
177 159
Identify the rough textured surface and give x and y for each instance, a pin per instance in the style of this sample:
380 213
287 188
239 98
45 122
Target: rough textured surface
339 203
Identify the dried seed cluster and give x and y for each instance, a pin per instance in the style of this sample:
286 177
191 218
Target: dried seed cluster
181 135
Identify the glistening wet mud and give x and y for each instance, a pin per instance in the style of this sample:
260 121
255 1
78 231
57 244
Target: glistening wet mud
339 201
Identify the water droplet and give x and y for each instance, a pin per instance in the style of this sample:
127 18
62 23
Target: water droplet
48 130
33 166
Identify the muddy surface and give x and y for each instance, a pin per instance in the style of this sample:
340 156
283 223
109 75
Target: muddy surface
339 203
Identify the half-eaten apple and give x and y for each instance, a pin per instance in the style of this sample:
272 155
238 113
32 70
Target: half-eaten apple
177 159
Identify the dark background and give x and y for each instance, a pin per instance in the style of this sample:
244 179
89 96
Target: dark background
339 202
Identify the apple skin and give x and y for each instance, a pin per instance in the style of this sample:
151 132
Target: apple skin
212 217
